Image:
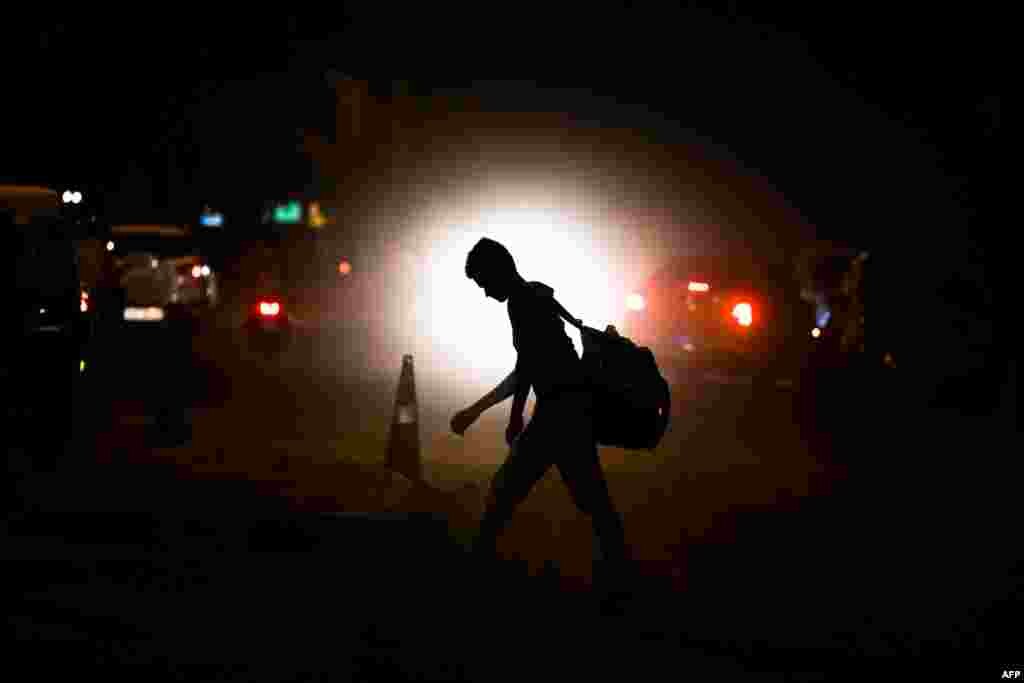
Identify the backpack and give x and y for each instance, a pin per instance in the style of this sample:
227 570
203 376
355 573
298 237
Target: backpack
631 397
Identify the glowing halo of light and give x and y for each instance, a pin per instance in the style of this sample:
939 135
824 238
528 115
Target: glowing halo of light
416 299
549 245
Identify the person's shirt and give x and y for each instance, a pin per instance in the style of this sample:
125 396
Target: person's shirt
546 357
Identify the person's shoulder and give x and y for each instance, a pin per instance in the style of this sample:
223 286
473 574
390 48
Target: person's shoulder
537 301
531 296
539 290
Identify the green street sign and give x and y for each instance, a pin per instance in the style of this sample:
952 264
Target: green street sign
289 213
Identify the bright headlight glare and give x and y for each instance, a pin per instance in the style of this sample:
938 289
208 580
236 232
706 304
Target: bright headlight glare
635 302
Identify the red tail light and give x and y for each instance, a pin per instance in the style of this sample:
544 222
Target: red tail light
698 287
270 309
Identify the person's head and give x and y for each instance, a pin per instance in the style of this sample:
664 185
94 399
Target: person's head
492 267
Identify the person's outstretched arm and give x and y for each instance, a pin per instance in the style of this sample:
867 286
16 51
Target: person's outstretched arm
464 418
498 394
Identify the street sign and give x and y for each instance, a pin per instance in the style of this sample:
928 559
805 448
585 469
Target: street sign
317 218
288 213
211 220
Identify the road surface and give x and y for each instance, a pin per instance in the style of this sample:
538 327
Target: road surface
774 530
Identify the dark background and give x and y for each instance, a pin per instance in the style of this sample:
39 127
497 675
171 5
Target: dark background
880 127
861 117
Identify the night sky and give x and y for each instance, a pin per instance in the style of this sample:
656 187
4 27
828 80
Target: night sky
863 119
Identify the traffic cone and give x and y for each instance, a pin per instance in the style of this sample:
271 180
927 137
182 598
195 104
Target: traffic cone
404 440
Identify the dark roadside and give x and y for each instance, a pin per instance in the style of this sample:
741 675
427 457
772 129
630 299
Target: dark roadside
161 578
908 565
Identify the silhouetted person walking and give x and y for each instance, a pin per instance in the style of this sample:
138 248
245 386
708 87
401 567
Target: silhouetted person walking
561 430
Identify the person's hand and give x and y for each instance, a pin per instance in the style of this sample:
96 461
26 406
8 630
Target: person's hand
515 427
462 420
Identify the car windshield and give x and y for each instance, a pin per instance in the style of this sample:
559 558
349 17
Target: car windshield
162 246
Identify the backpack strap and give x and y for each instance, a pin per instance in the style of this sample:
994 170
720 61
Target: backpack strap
565 315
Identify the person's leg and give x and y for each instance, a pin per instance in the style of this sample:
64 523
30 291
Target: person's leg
613 572
580 467
589 490
524 466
